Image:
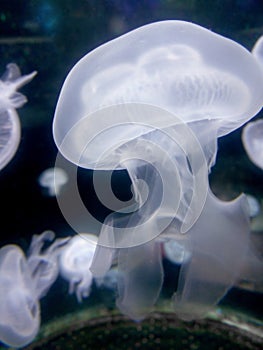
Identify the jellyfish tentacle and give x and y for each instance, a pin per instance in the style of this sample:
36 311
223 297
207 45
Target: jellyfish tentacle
43 264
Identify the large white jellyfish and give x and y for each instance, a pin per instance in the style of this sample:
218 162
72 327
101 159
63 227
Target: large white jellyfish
10 100
75 261
252 138
23 282
153 102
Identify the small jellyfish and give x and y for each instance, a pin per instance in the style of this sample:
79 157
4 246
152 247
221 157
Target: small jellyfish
19 306
43 263
175 251
110 279
254 206
52 180
24 280
75 261
252 138
10 100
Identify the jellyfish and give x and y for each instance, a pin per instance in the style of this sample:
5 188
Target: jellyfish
74 264
24 280
109 280
53 180
20 311
252 138
257 51
254 206
153 102
10 100
43 263
175 252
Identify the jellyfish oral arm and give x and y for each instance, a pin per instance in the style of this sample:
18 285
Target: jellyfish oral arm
217 256
10 82
75 261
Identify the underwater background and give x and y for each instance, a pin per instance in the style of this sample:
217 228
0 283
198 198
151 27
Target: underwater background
50 36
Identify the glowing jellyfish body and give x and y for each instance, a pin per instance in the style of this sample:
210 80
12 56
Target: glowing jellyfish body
110 280
19 307
254 206
252 137
153 102
53 180
43 263
23 281
10 99
75 261
175 252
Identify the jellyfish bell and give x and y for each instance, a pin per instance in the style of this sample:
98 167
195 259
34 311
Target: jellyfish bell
9 135
252 138
165 64
257 51
19 307
52 180
75 261
10 100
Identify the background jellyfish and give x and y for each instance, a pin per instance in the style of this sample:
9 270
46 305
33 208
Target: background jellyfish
24 280
257 51
20 314
53 180
252 137
254 206
154 102
175 251
43 262
75 261
10 100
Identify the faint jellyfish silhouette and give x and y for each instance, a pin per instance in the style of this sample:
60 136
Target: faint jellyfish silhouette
110 280
175 251
75 261
43 263
19 307
254 205
10 99
52 181
153 102
252 138
23 282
